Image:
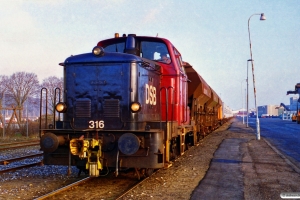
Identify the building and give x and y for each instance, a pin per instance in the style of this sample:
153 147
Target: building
268 110
294 104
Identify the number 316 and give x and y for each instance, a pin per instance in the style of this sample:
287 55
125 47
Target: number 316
96 124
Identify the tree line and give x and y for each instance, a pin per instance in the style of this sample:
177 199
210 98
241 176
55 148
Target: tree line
21 88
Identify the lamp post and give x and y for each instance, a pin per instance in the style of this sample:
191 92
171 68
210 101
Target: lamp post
3 106
27 118
247 94
262 17
243 115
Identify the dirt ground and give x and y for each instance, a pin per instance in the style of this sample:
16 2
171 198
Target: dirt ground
258 171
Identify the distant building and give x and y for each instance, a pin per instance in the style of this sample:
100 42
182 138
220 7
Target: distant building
268 110
294 104
227 111
272 110
240 113
281 110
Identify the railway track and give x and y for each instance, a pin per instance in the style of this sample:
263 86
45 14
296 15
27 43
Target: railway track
8 162
58 191
16 145
20 167
109 187
124 193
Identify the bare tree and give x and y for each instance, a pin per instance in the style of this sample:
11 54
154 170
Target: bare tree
2 93
51 83
2 88
20 86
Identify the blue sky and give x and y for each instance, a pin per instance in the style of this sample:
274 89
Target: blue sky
212 35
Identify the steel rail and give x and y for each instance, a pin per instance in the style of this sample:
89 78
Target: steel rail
137 184
5 147
21 167
13 143
7 161
64 188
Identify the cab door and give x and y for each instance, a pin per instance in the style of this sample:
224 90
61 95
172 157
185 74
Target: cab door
183 88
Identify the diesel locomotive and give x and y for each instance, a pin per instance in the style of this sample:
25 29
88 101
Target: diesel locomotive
130 103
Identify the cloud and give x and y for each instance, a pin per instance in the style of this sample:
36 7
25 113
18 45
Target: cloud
20 38
19 26
152 15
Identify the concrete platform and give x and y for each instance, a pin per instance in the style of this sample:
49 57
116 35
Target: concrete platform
246 168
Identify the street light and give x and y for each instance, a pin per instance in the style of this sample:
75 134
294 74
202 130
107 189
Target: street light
243 115
3 107
262 17
247 94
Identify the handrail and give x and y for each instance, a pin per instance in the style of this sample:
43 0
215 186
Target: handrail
55 94
41 108
161 105
167 104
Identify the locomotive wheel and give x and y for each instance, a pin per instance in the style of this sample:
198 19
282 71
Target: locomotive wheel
186 142
149 172
143 172
137 172
174 149
198 137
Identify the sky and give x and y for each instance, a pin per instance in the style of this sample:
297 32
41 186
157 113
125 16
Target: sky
212 35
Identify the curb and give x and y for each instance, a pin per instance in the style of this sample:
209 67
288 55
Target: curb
296 168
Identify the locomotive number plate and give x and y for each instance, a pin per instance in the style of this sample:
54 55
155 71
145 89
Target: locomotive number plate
96 124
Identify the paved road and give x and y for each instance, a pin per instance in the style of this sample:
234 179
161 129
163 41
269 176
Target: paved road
282 134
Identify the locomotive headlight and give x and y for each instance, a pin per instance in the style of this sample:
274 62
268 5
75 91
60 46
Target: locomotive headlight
135 107
98 51
61 107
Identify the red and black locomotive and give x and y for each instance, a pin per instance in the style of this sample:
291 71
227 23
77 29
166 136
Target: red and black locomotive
130 103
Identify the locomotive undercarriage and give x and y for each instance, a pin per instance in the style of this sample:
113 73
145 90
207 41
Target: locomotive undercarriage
95 151
103 152
104 149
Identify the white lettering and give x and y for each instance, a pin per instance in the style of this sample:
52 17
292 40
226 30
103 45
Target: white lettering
150 94
154 95
96 124
147 93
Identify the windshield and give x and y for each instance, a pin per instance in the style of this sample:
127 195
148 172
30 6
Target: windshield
117 47
156 51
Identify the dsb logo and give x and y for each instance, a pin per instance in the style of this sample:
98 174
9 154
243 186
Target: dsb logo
150 94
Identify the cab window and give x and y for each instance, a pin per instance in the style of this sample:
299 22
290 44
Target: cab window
117 47
179 61
154 51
